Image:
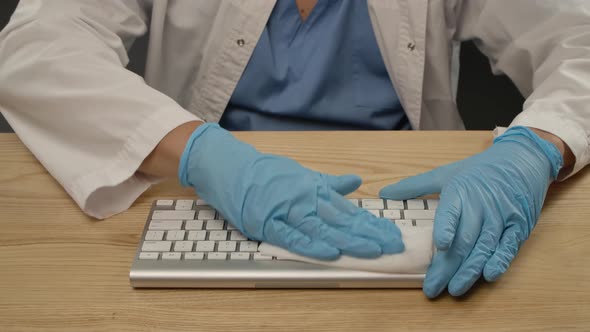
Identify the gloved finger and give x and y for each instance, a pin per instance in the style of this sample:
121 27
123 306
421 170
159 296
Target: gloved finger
443 266
344 184
505 253
472 267
280 234
447 217
386 233
339 213
348 244
422 184
446 263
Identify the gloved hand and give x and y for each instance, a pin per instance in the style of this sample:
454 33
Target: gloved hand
276 200
489 204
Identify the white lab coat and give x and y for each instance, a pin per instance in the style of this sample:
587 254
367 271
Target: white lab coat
65 90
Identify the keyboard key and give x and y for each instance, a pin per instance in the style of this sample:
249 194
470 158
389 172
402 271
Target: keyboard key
395 205
419 214
220 217
432 204
214 224
148 255
250 246
354 201
154 235
201 202
156 246
171 255
260 257
424 223
239 256
392 214
205 246
194 255
193 224
164 202
175 235
216 256
415 204
374 204
404 223
173 215
196 235
184 204
226 246
183 246
375 212
165 224
218 235
230 226
237 236
206 214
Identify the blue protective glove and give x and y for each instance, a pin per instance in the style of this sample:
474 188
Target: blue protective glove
276 200
489 204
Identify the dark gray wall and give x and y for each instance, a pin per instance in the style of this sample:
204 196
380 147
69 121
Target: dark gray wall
484 100
6 9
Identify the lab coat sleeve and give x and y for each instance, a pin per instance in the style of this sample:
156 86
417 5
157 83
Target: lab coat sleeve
544 47
65 91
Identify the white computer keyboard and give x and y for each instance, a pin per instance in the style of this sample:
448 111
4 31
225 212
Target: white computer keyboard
193 230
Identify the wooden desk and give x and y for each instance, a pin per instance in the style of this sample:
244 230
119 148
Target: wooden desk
60 270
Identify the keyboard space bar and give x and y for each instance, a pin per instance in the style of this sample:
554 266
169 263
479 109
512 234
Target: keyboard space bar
173 215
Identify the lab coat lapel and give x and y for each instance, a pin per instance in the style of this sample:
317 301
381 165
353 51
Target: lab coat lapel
237 34
400 30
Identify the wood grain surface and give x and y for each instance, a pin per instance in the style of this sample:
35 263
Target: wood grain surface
63 271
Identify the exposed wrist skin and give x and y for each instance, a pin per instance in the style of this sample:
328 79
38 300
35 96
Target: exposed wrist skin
163 160
569 159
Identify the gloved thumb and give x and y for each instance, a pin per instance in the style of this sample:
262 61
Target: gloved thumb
415 186
344 184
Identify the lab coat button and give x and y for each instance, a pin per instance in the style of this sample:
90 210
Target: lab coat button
240 42
411 46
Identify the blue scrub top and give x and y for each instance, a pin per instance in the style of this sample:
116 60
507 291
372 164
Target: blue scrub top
324 73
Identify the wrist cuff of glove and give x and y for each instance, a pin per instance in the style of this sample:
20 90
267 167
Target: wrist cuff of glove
547 148
183 164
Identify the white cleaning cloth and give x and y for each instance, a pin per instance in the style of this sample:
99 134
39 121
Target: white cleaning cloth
415 258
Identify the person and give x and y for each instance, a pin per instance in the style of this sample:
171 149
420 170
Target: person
107 134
